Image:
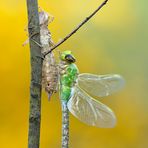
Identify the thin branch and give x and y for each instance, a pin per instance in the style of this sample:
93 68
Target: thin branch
77 28
36 75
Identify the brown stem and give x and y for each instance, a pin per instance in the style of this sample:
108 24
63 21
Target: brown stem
36 75
76 29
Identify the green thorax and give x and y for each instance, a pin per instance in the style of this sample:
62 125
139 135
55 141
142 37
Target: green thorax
68 80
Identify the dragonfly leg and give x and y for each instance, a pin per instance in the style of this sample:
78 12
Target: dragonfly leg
62 69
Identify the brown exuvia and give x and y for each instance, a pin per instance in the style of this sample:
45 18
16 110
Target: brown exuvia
49 69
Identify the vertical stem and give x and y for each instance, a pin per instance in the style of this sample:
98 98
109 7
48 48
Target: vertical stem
36 75
65 125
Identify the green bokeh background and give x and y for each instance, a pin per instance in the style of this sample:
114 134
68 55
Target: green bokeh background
114 41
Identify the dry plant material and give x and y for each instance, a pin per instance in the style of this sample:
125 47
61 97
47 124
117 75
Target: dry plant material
49 69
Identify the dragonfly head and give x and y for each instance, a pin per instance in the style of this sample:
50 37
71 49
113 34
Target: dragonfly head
67 56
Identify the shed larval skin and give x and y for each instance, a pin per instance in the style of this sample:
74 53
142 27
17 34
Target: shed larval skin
49 69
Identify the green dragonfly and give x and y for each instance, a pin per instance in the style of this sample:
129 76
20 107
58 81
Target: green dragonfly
77 92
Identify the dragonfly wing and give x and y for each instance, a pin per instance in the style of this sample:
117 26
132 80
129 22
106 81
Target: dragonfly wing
90 111
100 85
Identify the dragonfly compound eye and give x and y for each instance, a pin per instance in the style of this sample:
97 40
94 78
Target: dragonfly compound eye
70 58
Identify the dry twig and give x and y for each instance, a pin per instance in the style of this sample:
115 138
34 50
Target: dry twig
76 29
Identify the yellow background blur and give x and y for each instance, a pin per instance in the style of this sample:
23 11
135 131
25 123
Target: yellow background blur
114 41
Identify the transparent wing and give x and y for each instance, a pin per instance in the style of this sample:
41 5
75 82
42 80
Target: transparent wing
90 111
100 85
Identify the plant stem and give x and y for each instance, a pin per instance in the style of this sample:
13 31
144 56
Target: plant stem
77 28
36 75
65 125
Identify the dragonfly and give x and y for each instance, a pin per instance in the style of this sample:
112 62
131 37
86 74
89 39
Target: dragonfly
78 93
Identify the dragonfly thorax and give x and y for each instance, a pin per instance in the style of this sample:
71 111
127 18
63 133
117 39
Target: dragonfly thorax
68 77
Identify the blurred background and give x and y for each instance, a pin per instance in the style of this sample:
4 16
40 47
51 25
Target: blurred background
114 41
